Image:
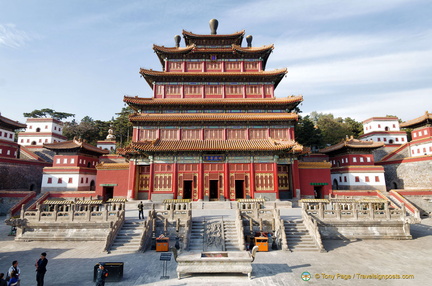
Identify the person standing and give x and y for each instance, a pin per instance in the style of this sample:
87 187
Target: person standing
13 281
2 281
14 268
41 269
101 274
141 210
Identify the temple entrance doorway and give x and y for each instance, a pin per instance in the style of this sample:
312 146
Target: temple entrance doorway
214 190
108 193
187 190
239 189
317 192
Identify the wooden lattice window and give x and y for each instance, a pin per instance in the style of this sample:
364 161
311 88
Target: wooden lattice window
234 89
253 89
258 133
251 66
147 134
173 90
175 66
234 134
213 90
162 182
191 134
168 134
213 134
193 90
232 66
194 66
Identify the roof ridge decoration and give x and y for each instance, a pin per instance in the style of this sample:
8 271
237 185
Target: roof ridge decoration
240 33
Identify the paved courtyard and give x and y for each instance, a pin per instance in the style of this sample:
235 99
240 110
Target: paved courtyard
345 263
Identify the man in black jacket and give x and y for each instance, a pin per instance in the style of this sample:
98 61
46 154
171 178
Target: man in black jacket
101 274
41 269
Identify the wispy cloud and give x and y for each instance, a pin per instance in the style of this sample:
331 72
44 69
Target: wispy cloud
309 10
11 37
403 104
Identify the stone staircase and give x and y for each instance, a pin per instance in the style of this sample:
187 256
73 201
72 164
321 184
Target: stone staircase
197 235
298 237
231 237
128 239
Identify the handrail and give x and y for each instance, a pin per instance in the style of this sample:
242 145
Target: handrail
382 196
147 231
41 199
188 230
240 230
114 231
17 207
223 234
409 207
312 226
280 230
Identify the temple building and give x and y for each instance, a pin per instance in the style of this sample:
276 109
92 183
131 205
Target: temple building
384 129
20 168
74 166
41 131
213 129
8 147
409 166
353 165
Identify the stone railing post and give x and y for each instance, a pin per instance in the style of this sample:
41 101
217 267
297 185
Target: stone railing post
22 212
321 211
55 212
355 211
371 211
403 211
387 211
88 213
38 212
338 211
72 213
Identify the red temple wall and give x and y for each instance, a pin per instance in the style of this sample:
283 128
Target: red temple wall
308 176
119 178
8 149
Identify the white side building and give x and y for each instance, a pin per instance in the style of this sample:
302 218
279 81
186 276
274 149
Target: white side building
41 131
383 129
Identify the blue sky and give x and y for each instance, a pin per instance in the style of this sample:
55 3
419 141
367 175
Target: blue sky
359 59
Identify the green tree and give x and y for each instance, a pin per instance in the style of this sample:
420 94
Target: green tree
355 126
88 129
48 112
308 134
123 127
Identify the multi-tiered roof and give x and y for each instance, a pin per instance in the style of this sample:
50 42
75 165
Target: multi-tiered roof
213 81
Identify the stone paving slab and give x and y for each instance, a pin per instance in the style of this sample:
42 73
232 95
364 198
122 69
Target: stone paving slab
71 263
